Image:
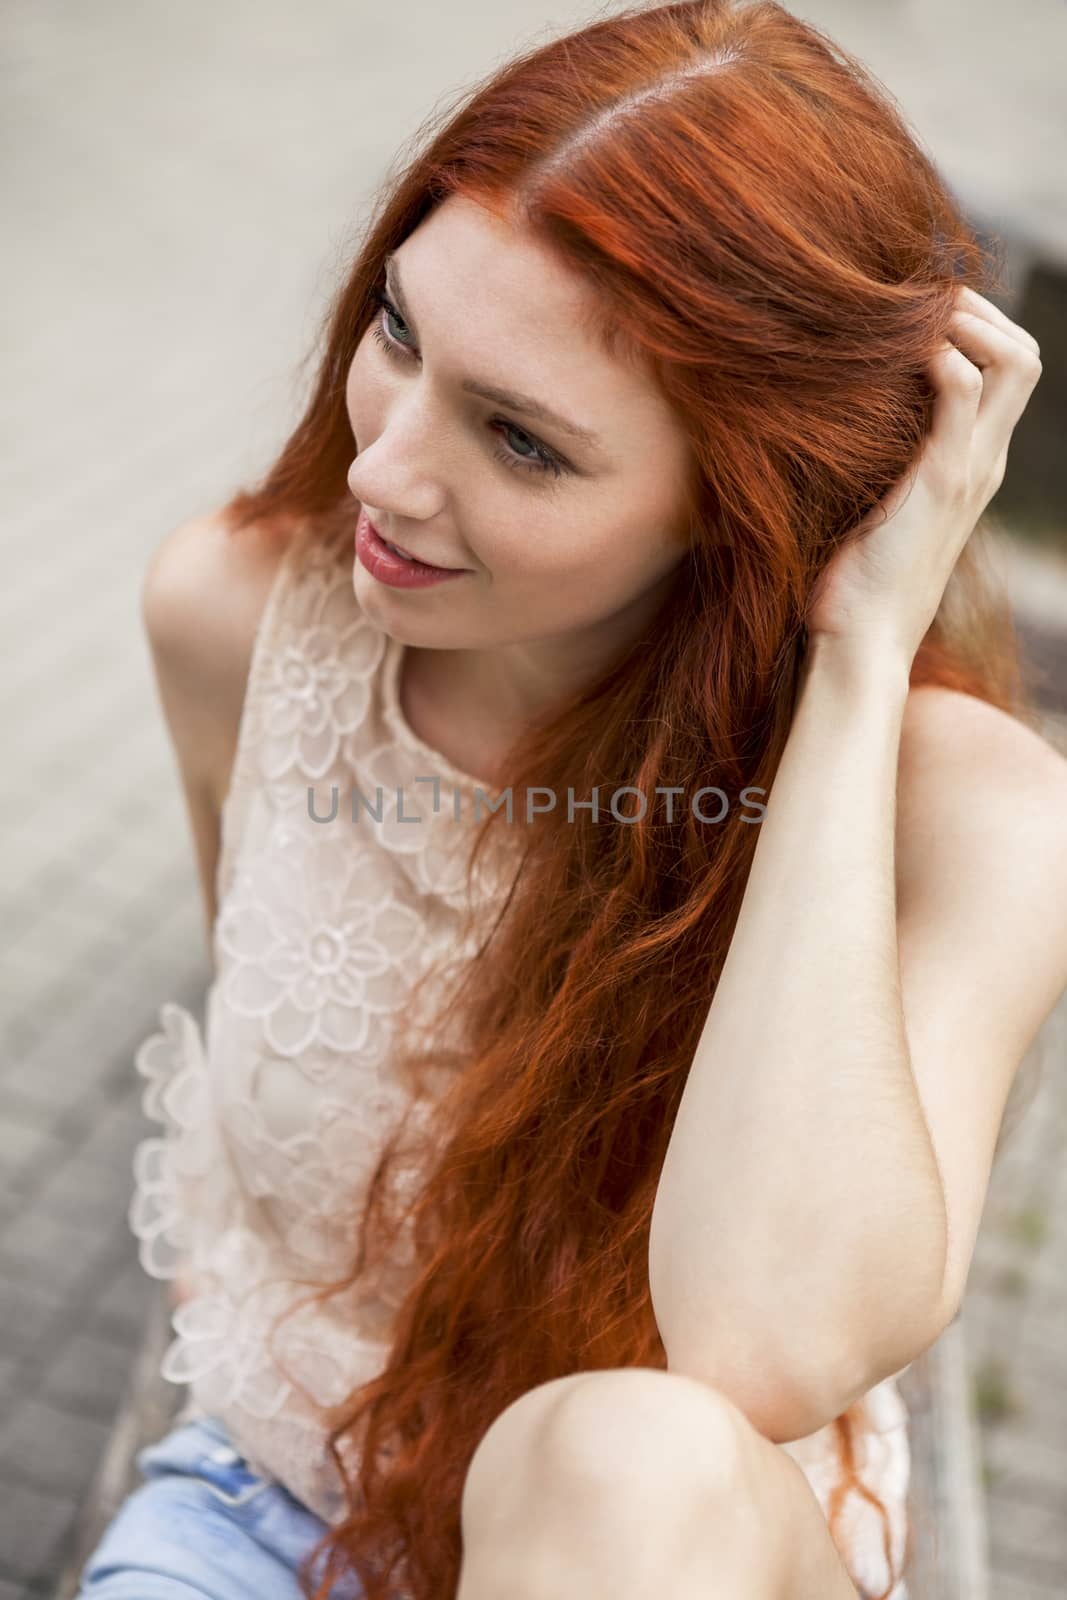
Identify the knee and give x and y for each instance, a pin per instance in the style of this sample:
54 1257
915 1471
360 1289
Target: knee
644 1429
621 1431
624 1481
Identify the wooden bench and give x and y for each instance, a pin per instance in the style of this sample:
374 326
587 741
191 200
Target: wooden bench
949 1557
946 1500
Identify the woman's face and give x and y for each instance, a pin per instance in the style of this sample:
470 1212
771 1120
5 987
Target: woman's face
567 537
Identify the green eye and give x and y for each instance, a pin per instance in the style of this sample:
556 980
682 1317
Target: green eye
391 311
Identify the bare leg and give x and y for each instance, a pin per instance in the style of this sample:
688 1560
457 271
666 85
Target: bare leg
631 1482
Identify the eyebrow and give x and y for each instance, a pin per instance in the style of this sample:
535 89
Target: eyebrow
491 391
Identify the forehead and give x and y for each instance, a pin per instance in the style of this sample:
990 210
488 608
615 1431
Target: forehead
495 301
500 258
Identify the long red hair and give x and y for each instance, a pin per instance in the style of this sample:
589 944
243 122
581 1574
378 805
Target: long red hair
772 247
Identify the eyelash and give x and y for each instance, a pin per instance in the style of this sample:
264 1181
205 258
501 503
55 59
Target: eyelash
547 461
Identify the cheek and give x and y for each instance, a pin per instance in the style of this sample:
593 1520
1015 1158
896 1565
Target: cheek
359 389
621 558
586 572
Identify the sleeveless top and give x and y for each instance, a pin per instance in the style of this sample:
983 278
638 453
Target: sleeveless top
278 1110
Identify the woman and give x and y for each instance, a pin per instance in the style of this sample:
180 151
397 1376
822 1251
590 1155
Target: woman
670 347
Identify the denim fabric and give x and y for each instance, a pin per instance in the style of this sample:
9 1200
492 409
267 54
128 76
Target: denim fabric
204 1526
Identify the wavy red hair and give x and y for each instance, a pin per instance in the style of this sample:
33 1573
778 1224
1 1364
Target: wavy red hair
772 247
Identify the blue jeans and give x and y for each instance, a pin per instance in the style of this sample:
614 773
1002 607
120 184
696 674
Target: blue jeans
204 1526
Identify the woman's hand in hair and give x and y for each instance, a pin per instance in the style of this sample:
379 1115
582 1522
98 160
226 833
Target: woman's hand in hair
883 587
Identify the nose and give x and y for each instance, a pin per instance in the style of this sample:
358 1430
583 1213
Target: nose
406 497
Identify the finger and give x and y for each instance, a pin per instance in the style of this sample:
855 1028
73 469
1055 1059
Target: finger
1009 371
979 306
958 387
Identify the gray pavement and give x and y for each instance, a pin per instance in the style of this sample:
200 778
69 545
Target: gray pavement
179 187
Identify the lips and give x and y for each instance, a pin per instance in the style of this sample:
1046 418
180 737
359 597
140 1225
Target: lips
410 553
399 548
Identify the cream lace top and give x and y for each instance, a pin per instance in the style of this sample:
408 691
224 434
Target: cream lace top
283 1103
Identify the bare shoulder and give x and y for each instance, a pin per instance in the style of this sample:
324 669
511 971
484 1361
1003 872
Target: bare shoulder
972 776
202 597
204 591
946 730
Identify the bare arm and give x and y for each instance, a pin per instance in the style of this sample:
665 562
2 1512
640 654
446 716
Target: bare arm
193 735
800 1201
832 1202
202 598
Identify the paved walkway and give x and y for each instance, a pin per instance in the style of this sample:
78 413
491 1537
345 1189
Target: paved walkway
184 188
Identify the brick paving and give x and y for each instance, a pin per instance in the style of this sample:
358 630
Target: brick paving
180 200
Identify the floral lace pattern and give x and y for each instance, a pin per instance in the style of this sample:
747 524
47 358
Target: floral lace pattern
274 1118
307 934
